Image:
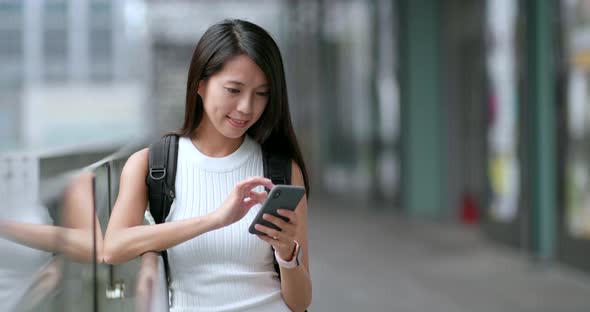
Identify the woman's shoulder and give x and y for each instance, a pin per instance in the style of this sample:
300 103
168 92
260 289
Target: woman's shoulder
140 157
296 173
137 163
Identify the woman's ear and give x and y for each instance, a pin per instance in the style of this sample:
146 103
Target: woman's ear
201 86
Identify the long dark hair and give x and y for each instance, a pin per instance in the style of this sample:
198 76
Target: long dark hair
220 43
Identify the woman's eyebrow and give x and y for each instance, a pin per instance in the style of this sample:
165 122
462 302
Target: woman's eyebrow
235 82
242 84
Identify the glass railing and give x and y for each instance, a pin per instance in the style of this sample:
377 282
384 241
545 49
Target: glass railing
55 210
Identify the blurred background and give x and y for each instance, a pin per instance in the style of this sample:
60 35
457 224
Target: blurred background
448 145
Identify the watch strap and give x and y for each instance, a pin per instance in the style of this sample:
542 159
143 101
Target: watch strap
294 260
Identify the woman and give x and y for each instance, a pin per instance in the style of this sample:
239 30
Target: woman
236 104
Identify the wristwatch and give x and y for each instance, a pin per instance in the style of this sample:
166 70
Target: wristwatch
295 259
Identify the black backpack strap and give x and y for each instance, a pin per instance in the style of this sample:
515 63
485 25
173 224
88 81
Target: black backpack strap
161 176
163 157
277 168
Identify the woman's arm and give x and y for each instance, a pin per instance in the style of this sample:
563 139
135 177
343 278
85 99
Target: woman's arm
295 282
74 237
126 236
75 244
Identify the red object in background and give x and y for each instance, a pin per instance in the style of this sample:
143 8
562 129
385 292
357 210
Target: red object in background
469 211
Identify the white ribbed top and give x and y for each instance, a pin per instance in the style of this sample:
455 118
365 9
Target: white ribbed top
227 269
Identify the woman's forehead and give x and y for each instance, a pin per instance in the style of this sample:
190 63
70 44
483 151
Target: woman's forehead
242 70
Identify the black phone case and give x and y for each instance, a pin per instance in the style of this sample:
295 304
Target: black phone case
280 197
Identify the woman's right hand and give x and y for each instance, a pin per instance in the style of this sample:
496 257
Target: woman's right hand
240 200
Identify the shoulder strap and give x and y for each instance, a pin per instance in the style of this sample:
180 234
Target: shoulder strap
163 157
277 168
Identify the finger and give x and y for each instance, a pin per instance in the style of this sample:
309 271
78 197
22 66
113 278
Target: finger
268 231
253 182
267 239
275 243
284 226
249 203
291 215
258 196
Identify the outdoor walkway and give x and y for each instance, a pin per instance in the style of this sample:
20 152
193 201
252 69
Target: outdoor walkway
377 261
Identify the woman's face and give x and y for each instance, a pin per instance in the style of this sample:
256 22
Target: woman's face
234 98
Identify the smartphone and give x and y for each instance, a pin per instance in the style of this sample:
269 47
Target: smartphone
280 197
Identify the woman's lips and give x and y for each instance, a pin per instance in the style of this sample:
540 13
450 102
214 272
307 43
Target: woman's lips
237 123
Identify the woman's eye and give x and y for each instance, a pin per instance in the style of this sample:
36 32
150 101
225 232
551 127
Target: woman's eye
263 93
232 90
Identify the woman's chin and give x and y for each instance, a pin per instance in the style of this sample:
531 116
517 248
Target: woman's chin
234 133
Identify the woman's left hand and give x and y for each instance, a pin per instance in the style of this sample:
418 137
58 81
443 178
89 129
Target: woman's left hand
282 241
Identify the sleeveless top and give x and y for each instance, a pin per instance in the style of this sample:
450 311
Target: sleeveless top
227 269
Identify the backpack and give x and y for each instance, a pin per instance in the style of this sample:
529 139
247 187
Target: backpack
163 156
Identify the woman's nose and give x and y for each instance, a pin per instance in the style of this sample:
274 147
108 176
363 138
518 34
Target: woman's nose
245 105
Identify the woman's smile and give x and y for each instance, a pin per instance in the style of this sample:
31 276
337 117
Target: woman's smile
237 123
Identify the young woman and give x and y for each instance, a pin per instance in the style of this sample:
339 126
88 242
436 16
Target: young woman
236 105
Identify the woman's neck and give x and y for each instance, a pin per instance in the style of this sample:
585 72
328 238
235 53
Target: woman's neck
214 144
